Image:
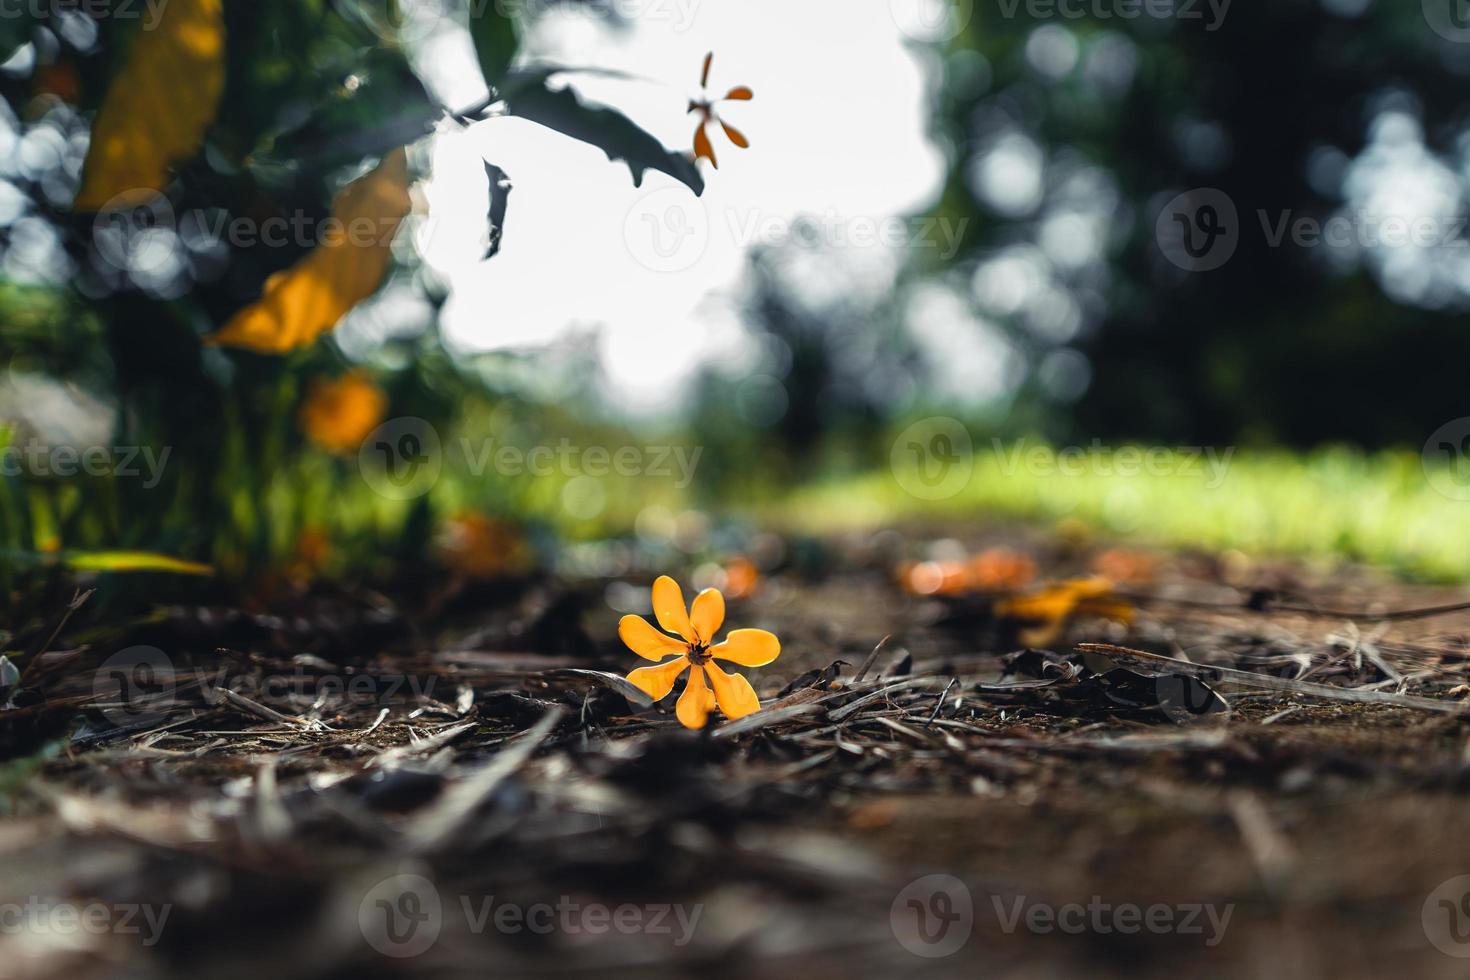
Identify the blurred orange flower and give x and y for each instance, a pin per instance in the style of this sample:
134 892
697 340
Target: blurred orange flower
1126 565
1001 570
742 578
338 413
693 649
478 546
994 570
705 107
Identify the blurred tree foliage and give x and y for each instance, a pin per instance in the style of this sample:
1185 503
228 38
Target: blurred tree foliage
1286 107
115 298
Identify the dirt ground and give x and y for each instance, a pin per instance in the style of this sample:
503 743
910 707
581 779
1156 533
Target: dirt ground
343 788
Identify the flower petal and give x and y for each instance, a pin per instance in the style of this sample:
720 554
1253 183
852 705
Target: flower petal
733 692
704 148
704 75
668 606
736 136
740 93
694 704
748 648
707 614
640 636
658 681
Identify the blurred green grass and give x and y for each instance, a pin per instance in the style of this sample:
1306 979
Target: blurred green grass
1334 504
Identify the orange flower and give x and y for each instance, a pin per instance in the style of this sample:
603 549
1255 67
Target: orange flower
742 578
339 413
693 649
1001 570
705 107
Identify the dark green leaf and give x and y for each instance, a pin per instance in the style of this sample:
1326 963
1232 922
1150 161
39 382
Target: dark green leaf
495 41
500 187
531 97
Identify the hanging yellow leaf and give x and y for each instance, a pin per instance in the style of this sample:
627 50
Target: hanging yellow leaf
306 300
1057 604
133 561
159 106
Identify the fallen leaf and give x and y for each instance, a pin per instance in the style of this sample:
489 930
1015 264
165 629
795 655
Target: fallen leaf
1054 606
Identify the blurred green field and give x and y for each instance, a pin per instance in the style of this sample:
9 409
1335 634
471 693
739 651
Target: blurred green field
1335 504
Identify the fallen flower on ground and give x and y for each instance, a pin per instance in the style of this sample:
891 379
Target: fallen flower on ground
692 648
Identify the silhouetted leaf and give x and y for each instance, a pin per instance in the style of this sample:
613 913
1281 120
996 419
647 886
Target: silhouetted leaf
530 96
500 187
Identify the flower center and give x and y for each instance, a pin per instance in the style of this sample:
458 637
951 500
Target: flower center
699 653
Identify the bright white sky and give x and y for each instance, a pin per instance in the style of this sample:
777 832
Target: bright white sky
837 129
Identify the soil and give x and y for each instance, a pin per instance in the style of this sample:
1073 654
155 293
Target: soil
384 793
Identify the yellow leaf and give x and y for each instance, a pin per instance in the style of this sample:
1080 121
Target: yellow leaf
1054 605
159 106
133 561
344 269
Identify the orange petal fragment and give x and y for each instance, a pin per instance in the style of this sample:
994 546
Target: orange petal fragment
658 681
736 136
733 692
668 606
740 93
694 704
647 642
707 614
704 75
704 148
748 648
